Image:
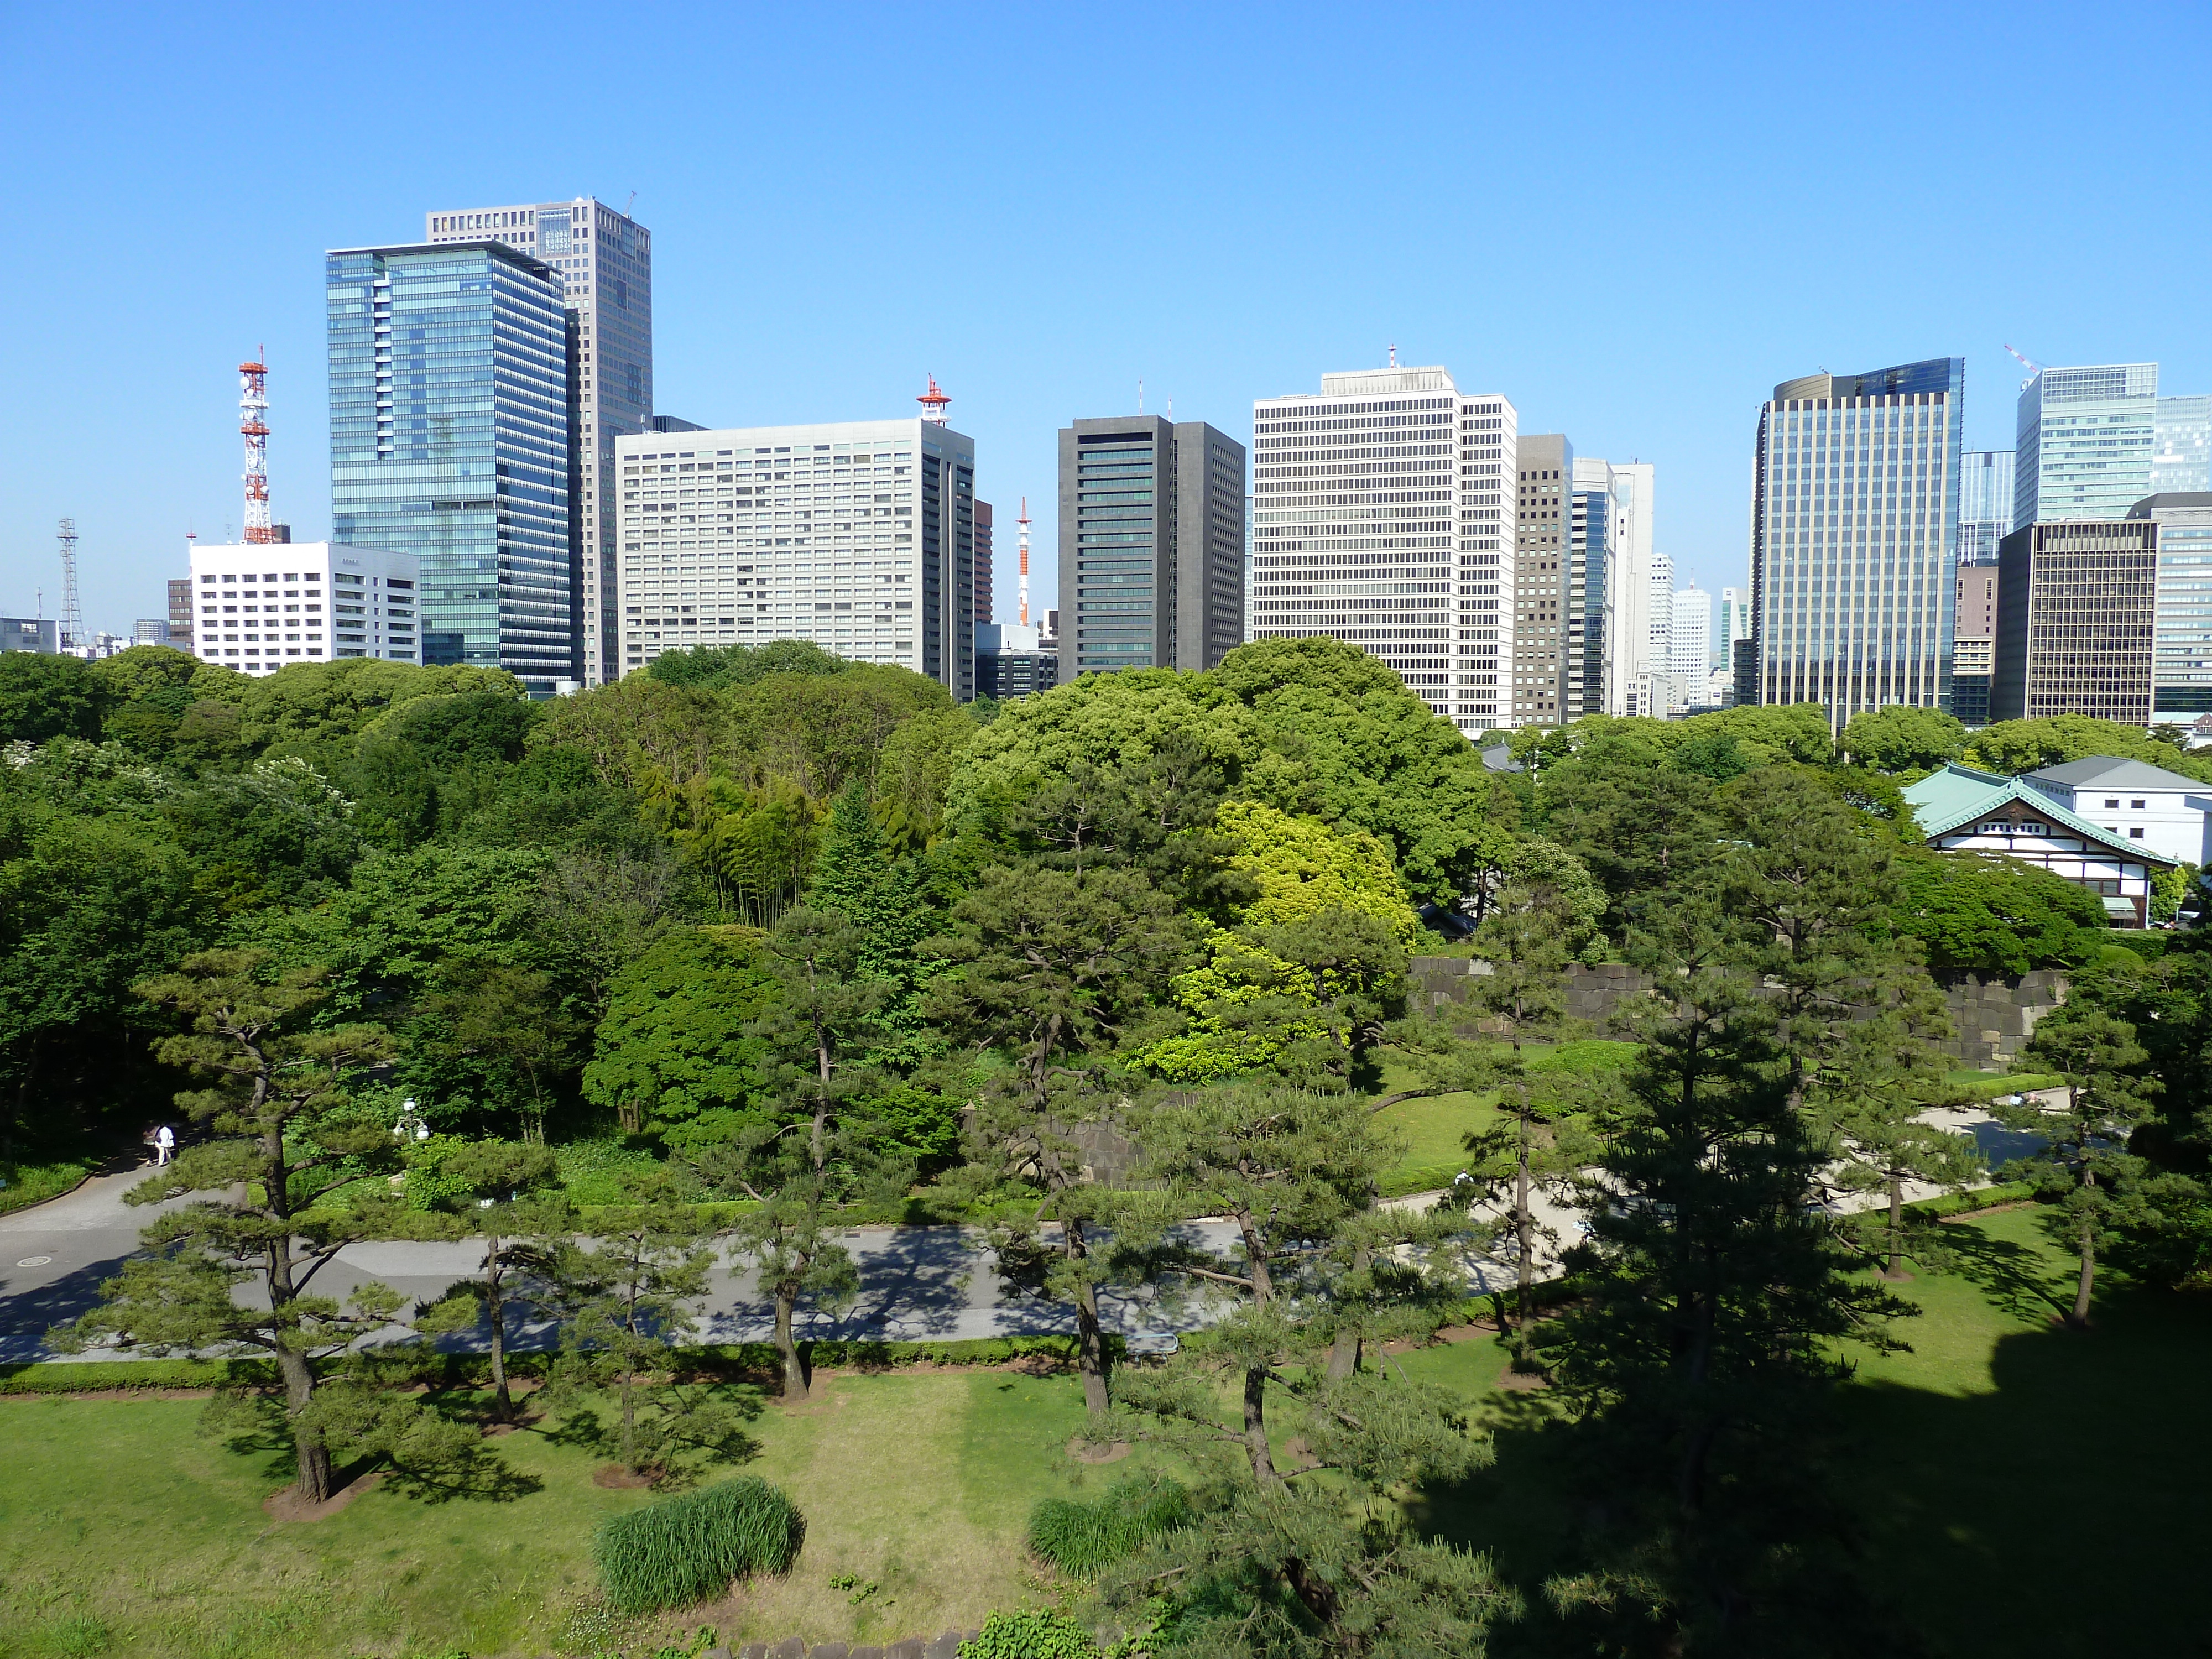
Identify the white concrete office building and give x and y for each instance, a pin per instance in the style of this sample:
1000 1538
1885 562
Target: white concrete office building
1610 545
605 261
262 606
1691 641
1383 514
2085 437
858 535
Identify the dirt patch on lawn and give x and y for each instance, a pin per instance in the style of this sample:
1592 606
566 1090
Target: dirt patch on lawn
1098 1452
620 1477
1987 1209
289 1505
1519 1382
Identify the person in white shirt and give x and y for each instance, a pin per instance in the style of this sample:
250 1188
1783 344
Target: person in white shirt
165 1144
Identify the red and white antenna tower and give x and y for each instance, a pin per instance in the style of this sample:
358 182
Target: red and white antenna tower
1023 589
253 426
934 404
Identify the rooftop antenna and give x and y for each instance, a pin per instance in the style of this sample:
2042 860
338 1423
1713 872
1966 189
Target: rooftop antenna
72 620
1024 588
253 427
934 404
1140 397
1394 354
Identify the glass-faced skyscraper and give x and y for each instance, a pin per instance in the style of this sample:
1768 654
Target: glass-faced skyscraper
1985 493
2085 442
1854 537
449 440
2181 449
603 261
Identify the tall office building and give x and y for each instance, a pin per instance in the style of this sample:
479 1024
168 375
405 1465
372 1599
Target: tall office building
1248 569
1732 622
180 613
2085 441
859 536
1383 515
1985 493
1663 695
1013 661
605 264
1609 586
2181 447
1691 658
984 554
450 444
2076 620
1854 538
1973 642
1151 544
2181 667
1543 581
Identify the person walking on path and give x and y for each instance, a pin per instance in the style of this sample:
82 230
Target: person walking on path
165 1144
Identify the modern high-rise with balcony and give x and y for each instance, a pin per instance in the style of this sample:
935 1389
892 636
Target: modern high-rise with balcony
1383 515
450 444
1151 544
1986 500
859 536
1543 581
1854 538
604 264
2181 447
2085 441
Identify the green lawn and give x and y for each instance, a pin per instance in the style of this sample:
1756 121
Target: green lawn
2024 1490
1984 1084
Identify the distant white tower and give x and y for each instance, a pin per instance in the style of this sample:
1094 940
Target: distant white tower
1022 590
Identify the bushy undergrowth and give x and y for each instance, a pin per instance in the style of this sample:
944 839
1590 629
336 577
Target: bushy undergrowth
1084 1539
687 1549
1031 1634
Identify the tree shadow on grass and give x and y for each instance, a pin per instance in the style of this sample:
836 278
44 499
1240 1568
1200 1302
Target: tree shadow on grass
2017 1278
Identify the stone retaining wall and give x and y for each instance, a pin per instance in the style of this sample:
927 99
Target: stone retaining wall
1993 1017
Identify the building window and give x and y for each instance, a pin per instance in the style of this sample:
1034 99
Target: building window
2136 834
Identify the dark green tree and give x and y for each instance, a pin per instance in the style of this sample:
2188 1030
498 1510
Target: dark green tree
514 1024
1990 914
2096 1187
43 696
1051 971
287 1135
676 1052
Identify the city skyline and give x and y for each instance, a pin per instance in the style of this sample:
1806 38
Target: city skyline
1664 369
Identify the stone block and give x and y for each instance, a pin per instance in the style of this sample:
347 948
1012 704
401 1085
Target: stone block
946 1646
911 1648
790 1648
831 1650
867 1653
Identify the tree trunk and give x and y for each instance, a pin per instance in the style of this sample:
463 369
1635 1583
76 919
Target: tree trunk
1255 1428
1090 1339
1523 1228
628 1391
796 1383
314 1456
2089 1275
502 1400
1344 1353
1896 1225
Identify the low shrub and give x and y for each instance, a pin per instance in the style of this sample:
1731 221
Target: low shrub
1032 1634
1083 1540
687 1549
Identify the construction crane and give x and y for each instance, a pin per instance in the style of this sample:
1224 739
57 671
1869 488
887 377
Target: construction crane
2033 368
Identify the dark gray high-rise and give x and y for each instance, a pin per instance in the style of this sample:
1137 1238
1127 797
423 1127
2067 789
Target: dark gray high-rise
1151 544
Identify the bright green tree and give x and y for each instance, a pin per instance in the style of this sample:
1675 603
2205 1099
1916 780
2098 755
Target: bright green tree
1901 739
507 1187
1990 914
676 1052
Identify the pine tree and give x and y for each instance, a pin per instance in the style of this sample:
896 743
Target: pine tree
512 1182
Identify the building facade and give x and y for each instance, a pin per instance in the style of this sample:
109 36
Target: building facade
2181 667
2077 621
2166 813
1543 581
40 634
984 554
1151 544
1692 659
1854 538
1609 586
1985 502
2181 447
450 443
1011 661
1959 809
603 261
1383 515
1732 622
2084 444
262 606
1974 642
1663 696
180 613
858 535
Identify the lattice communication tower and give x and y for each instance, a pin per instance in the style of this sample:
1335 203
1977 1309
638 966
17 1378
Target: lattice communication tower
72 617
253 427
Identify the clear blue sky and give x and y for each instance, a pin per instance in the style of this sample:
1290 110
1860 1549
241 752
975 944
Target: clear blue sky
1632 222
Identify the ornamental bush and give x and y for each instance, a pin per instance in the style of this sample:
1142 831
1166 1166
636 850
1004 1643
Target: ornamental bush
1083 1540
687 1549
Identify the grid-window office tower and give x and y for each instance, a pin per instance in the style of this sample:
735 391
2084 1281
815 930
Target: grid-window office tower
2084 442
1383 515
1985 502
1854 537
449 443
1543 581
2181 671
1609 547
1151 544
2077 605
2181 447
858 535
604 262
